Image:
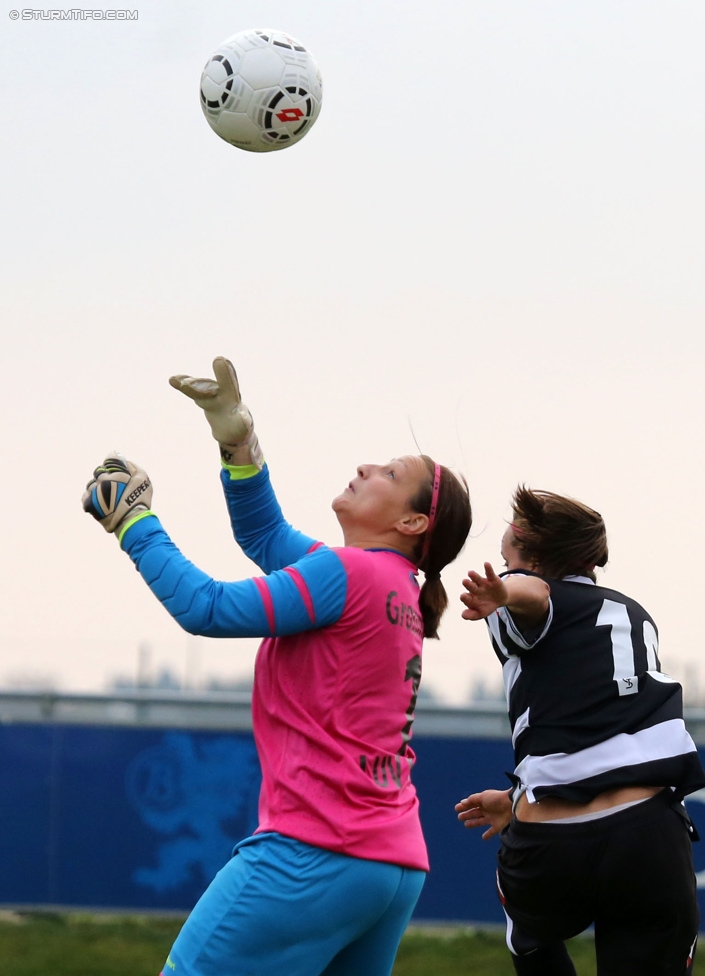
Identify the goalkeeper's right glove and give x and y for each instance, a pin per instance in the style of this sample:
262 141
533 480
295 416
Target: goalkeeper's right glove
118 493
230 421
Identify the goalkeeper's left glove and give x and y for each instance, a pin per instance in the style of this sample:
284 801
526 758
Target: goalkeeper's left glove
230 420
118 493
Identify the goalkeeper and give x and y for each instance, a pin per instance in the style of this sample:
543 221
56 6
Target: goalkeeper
330 878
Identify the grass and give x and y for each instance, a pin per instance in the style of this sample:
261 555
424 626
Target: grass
44 944
84 945
475 952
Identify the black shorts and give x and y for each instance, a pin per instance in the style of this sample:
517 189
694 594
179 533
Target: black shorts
629 874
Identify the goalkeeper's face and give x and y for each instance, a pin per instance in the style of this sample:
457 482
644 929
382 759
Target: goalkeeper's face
379 498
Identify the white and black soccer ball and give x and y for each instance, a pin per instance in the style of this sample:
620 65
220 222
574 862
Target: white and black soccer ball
261 90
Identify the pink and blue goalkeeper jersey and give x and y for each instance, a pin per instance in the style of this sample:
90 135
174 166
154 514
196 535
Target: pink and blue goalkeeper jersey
336 676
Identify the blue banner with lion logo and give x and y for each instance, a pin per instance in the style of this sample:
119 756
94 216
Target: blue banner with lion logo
142 819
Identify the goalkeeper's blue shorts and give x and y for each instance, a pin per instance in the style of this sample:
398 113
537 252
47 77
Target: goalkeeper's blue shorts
280 907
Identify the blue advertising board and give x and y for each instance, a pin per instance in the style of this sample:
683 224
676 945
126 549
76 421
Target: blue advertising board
141 819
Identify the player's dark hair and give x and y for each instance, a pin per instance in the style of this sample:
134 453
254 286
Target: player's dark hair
448 534
560 535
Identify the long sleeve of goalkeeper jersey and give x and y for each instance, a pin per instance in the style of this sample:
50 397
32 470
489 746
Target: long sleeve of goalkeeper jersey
307 595
258 524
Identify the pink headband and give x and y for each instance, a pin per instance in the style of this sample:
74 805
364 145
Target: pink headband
433 509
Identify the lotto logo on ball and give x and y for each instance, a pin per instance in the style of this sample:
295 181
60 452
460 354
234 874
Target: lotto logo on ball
290 115
261 90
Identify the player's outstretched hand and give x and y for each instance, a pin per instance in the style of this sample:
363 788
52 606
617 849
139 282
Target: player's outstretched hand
230 420
484 594
490 808
117 493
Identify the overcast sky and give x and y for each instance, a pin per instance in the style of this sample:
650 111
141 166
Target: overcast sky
491 241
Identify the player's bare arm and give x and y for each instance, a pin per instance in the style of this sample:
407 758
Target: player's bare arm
526 597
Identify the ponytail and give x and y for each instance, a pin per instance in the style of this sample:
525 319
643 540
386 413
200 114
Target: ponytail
446 501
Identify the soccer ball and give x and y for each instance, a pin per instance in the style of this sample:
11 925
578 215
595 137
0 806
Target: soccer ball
261 90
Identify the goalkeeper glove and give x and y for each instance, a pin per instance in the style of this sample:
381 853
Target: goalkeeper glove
230 421
118 492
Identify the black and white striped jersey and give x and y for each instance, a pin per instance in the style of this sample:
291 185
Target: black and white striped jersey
589 707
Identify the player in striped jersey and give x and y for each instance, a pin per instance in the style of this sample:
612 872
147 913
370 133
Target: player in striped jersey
328 881
594 830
